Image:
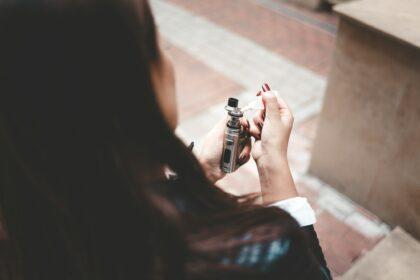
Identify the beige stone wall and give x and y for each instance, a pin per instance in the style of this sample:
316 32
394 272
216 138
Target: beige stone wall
368 142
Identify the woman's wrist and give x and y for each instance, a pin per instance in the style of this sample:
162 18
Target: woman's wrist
276 179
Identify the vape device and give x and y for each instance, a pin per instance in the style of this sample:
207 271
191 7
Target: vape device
233 138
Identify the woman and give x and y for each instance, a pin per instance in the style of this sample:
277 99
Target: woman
86 131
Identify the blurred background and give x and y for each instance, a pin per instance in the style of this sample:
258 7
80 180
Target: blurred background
350 73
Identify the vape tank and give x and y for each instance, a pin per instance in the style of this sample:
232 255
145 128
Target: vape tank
234 137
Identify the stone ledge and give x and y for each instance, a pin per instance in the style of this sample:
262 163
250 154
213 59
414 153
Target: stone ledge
395 257
398 19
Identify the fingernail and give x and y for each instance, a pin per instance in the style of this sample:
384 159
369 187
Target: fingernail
259 93
245 125
242 159
265 87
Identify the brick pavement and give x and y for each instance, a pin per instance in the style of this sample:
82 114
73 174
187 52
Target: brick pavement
230 54
197 84
292 34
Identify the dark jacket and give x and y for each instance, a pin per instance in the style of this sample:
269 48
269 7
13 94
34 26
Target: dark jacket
303 257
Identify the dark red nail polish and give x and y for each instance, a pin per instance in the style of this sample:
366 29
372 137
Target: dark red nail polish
259 93
246 126
265 87
243 158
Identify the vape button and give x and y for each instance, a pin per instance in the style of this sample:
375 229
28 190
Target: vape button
226 156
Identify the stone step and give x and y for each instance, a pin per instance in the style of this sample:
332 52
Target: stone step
396 257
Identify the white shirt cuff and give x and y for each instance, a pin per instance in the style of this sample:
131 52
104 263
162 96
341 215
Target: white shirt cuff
299 208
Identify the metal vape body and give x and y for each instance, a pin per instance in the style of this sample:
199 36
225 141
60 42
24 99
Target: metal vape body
232 142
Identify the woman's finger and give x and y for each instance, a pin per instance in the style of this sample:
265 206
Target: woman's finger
284 107
275 105
245 124
255 130
258 119
245 154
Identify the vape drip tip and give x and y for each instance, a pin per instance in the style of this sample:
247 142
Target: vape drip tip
234 112
232 105
233 102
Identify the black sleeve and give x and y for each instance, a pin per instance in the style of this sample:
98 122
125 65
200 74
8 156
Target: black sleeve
313 241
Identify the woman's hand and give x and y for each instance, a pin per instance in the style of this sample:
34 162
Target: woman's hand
271 128
210 154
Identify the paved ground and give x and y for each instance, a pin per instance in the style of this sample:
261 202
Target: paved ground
229 48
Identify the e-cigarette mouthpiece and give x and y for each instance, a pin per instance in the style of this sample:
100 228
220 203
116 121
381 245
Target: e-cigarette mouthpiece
232 102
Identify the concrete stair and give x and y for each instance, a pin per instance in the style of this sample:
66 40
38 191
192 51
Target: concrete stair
396 257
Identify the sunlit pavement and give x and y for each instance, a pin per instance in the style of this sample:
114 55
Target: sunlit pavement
229 48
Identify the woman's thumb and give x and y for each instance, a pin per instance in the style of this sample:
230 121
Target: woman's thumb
271 104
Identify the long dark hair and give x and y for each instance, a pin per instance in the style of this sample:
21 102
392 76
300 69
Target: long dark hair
79 121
